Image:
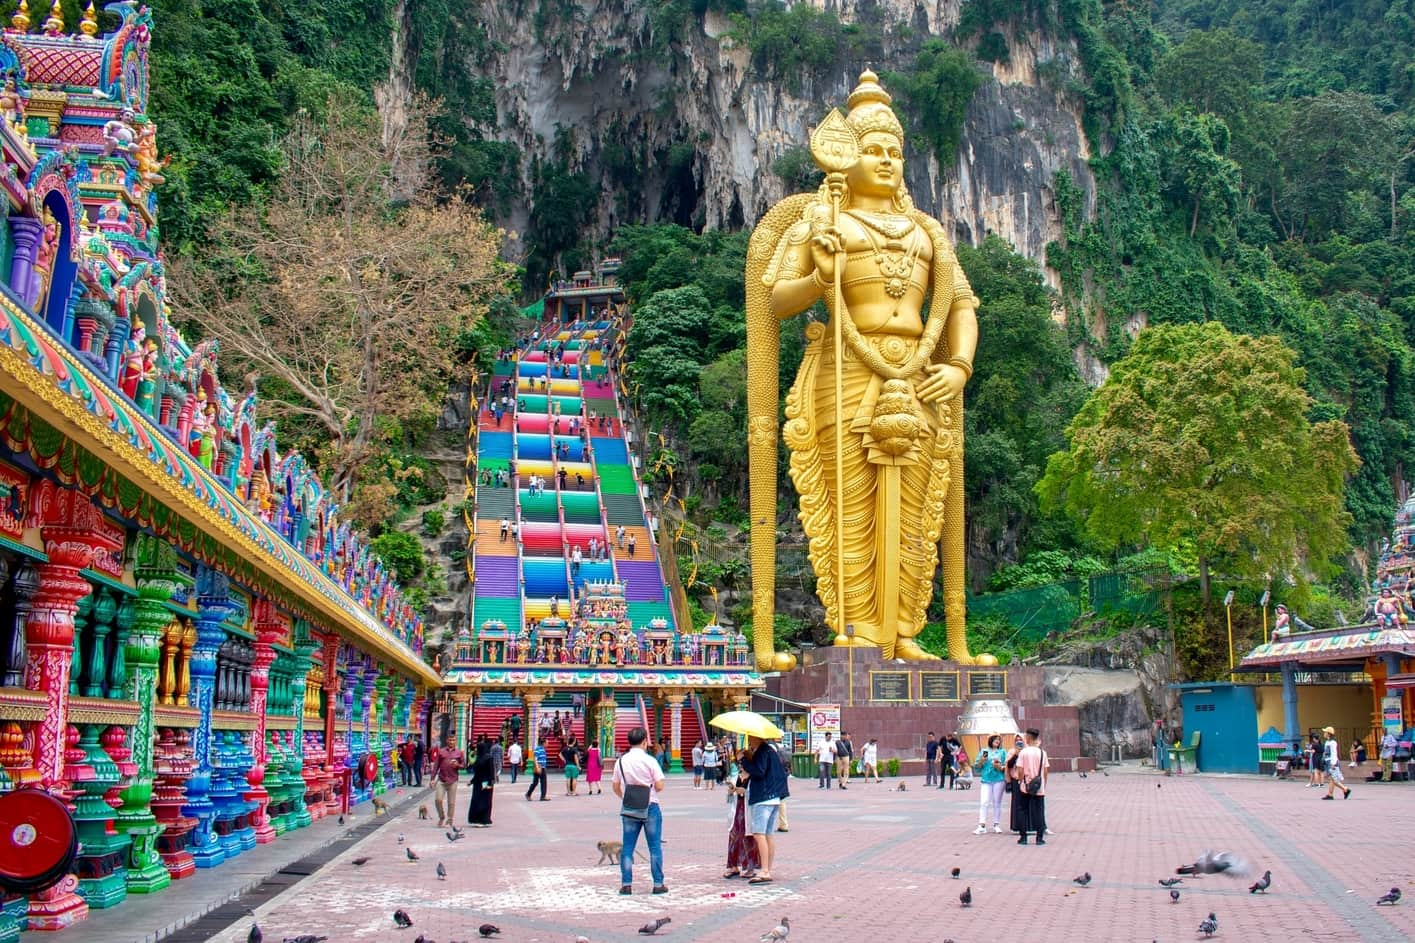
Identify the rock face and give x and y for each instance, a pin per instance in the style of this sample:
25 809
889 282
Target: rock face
701 129
1118 686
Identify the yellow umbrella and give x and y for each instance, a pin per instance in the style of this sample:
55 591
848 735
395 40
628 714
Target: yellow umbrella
747 722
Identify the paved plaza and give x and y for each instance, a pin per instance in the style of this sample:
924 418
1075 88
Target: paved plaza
871 864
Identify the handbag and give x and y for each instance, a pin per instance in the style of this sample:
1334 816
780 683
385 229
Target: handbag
1034 785
635 804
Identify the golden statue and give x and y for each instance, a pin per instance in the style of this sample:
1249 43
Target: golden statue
876 412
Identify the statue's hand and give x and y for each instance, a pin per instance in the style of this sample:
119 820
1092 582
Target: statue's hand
944 381
826 243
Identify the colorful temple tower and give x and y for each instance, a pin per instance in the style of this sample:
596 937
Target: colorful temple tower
196 654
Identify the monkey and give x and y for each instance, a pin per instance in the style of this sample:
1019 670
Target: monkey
613 850
422 812
379 806
899 788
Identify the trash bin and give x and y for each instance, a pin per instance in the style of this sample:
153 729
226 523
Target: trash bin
803 765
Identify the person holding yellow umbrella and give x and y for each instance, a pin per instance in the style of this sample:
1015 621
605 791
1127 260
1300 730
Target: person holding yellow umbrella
766 782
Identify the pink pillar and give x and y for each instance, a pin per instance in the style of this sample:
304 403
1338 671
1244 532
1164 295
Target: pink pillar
267 632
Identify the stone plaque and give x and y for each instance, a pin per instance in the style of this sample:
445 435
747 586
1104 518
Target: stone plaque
987 684
938 685
890 686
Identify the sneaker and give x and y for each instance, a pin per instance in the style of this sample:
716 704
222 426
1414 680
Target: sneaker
1328 797
997 829
660 888
1022 840
626 889
980 830
1041 841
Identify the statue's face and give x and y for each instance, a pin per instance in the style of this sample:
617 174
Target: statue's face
880 169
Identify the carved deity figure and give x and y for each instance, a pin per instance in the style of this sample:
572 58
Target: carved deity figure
874 420
44 258
145 395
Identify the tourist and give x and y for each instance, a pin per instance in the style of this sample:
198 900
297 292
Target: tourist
638 779
1335 779
767 785
1316 761
513 759
538 761
1011 786
869 761
483 784
1032 765
569 758
743 859
698 765
710 764
844 756
619 536
931 760
633 542
1358 753
418 755
825 761
594 771
405 762
447 763
1388 744
505 528
497 755
783 751
991 773
948 751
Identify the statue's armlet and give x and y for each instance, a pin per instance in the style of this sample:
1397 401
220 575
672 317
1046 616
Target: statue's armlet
790 262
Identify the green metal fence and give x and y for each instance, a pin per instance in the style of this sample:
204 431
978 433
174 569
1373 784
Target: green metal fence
1038 611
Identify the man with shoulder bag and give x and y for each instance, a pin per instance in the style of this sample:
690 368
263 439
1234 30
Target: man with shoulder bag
638 779
1031 788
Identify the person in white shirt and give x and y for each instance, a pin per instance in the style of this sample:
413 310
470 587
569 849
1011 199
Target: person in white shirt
1335 779
698 765
825 759
869 760
710 764
513 757
637 768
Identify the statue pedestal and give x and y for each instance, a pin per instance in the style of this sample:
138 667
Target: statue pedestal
898 702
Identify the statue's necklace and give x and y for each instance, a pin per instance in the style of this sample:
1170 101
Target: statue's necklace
895 260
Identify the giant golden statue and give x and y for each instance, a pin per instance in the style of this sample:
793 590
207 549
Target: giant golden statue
874 420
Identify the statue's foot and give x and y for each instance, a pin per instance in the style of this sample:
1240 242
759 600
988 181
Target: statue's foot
909 650
859 641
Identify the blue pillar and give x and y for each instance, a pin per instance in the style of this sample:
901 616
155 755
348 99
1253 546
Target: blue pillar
1290 732
214 604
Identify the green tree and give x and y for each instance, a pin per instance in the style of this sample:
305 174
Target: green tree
936 89
1200 437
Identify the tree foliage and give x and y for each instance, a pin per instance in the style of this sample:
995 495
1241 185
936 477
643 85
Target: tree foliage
1201 437
349 300
936 91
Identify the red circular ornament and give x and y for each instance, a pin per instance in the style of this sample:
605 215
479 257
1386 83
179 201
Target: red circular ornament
37 840
370 767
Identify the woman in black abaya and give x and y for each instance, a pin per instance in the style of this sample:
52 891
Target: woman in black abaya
483 780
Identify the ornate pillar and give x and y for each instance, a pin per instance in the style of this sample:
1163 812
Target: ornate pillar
268 631
102 877
105 607
463 701
26 232
158 577
26 585
213 605
378 744
118 669
675 727
332 695
73 538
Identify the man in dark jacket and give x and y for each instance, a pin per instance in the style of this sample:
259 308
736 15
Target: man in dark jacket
930 758
419 754
766 787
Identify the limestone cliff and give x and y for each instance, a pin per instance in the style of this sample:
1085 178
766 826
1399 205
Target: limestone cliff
702 128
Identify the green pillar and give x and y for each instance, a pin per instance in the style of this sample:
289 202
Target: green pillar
158 578
378 732
305 647
101 853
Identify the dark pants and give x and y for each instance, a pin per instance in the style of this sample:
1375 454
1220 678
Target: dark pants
514 769
405 774
537 777
417 771
1032 815
947 771
930 771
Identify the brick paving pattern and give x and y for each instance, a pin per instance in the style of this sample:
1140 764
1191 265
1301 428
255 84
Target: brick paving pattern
871 864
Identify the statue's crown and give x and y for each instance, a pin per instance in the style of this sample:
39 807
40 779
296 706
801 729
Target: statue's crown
869 107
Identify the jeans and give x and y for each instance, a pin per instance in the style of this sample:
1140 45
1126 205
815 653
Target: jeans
514 769
537 777
652 827
418 773
990 796
825 770
405 775
930 772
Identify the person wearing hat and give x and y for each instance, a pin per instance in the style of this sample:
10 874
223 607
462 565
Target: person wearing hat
1335 779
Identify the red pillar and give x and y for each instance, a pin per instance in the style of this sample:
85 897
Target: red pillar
73 539
268 631
331 702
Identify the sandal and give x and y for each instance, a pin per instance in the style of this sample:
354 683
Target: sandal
759 880
732 874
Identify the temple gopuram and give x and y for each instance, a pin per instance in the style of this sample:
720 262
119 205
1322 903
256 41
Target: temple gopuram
580 627
196 654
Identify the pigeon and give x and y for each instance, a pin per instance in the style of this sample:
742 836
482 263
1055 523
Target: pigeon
400 838
1215 863
1262 884
955 872
360 862
1391 898
649 929
966 898
401 918
412 855
306 938
453 836
423 939
779 932
255 936
582 939
488 930
1082 879
1173 895
341 820
441 871
1209 926
1170 882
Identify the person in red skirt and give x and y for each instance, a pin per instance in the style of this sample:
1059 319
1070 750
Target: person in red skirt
742 856
594 771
